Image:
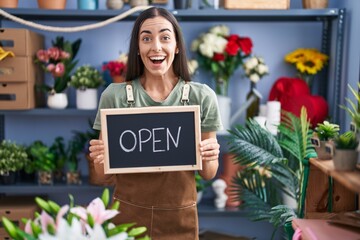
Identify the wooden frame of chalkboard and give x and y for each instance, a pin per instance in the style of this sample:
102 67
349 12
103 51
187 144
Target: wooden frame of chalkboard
151 139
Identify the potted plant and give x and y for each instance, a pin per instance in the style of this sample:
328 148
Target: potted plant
343 151
58 148
323 133
13 158
201 186
116 69
42 162
73 175
86 80
59 61
281 160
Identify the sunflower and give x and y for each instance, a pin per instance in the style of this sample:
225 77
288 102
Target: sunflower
307 60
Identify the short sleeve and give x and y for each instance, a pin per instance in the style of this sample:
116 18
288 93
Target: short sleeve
210 115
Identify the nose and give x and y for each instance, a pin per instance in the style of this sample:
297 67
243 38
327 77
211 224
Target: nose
156 46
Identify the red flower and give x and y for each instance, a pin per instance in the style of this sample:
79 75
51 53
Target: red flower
218 57
115 68
246 45
232 48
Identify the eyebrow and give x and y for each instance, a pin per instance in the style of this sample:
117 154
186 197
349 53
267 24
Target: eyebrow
149 32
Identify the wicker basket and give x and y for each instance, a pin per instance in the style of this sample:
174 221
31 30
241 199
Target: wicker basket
256 4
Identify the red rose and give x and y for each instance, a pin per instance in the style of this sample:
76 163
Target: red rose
232 48
233 38
246 45
218 57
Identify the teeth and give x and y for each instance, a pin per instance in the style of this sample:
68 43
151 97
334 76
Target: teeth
157 58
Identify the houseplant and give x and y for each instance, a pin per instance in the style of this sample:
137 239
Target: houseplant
343 151
13 157
59 61
75 222
86 79
354 109
281 159
58 148
308 62
116 68
323 133
42 161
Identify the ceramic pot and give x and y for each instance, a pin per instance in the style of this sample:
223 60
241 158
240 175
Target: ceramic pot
114 4
52 4
73 178
321 151
135 3
86 99
310 4
118 79
9 3
345 159
224 103
199 197
45 178
57 101
88 4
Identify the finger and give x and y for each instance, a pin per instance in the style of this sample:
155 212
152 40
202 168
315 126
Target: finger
99 159
208 141
214 152
210 146
210 158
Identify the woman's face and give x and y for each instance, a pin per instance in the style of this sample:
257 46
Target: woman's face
157 45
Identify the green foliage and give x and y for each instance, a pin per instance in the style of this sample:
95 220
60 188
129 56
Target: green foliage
201 184
59 150
86 76
273 166
354 109
42 159
13 157
346 140
326 130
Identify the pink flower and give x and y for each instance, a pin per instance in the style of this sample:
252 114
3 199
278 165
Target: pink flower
59 70
42 55
54 53
97 210
64 55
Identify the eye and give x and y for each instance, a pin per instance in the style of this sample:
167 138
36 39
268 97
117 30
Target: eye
146 39
166 38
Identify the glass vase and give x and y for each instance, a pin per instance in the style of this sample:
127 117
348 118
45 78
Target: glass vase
221 87
253 109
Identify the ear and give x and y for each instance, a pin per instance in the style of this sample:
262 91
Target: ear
176 51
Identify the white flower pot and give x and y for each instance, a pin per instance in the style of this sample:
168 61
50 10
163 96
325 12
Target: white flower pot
57 101
86 99
225 111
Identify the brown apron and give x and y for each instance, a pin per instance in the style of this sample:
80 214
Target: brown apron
165 203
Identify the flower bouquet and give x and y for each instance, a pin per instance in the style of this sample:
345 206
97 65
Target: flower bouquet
75 222
221 53
308 62
59 61
255 68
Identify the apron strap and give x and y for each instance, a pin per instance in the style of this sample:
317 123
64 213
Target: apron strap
185 93
130 94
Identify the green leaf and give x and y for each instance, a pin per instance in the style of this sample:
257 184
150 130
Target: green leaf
43 204
105 197
10 228
137 231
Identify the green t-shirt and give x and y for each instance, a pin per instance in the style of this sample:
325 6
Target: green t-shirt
114 96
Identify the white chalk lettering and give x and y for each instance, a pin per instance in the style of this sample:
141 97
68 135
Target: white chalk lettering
121 141
140 137
150 136
168 134
155 140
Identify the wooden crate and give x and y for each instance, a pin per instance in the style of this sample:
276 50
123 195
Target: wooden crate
256 4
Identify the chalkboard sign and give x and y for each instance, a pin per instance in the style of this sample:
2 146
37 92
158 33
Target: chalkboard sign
151 139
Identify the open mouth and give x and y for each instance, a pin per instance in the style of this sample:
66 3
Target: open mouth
157 60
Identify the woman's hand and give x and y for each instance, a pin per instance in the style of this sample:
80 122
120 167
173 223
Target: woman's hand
209 149
97 150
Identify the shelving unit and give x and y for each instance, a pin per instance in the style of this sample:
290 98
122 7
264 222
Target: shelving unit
321 228
332 44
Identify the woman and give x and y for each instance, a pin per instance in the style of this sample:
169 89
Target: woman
157 70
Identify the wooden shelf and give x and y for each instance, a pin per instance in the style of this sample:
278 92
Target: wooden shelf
350 179
321 229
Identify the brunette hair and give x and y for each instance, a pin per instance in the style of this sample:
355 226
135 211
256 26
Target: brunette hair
135 66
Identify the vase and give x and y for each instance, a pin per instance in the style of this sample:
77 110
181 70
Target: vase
253 97
114 4
86 98
224 104
135 3
52 4
57 101
118 79
345 159
315 4
88 4
209 4
229 171
9 3
222 85
321 151
45 178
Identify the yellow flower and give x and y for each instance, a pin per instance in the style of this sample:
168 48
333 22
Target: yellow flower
307 60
